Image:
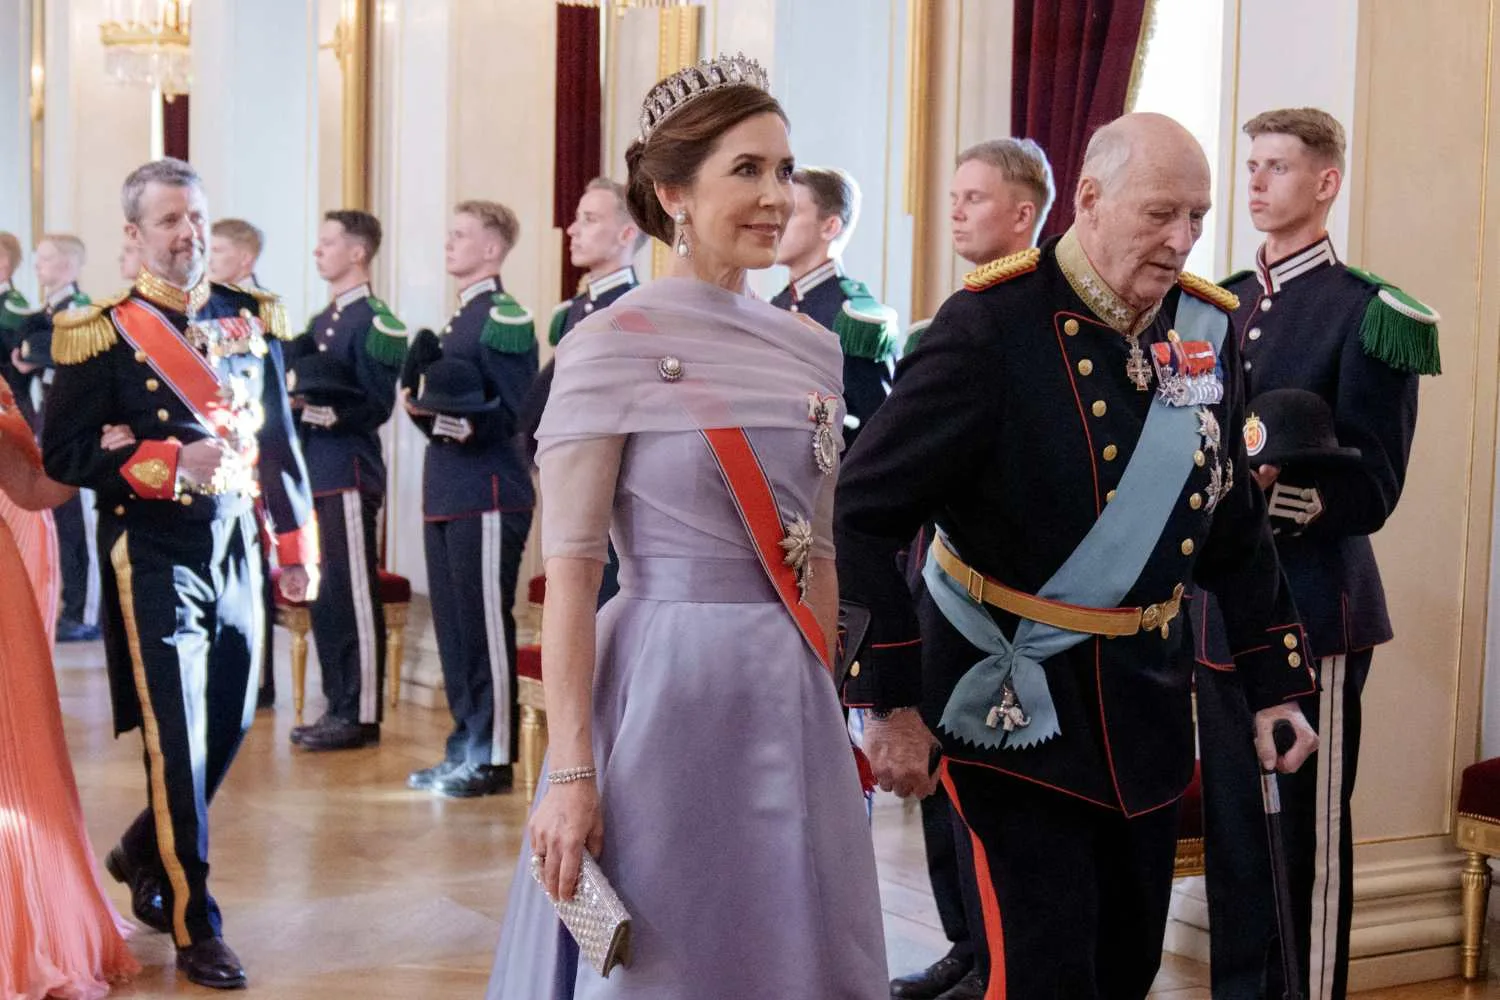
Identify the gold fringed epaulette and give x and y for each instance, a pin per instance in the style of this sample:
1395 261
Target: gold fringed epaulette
1003 269
1202 288
84 333
272 313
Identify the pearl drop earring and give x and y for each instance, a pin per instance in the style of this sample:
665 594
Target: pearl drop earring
682 249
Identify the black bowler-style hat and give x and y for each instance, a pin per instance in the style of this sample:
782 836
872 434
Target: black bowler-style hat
454 387
424 349
318 377
1293 427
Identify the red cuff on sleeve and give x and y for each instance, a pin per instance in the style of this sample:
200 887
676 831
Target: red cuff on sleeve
151 470
299 547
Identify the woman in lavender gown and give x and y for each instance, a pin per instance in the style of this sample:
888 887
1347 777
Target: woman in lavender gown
720 795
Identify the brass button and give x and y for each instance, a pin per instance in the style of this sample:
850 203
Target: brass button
1085 367
1290 642
1100 408
1293 660
120 510
1188 546
1070 327
1174 336
162 415
186 500
246 313
1199 458
1110 496
854 669
1196 501
152 385
1110 451
140 357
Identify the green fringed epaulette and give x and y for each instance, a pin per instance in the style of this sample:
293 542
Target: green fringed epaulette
509 328
914 336
865 328
79 300
13 310
1398 329
1236 276
386 341
84 333
559 317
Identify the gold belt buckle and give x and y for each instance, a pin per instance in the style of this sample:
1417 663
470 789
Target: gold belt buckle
975 585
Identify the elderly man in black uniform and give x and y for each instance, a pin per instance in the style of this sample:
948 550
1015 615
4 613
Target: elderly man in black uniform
354 348
1071 422
193 370
822 223
477 500
1307 322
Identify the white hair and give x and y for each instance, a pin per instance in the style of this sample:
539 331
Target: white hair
1106 156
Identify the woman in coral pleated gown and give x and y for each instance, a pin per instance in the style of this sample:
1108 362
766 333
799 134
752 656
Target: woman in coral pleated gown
59 935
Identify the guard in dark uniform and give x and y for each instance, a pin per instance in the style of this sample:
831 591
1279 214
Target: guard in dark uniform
15 312
340 433
477 501
195 372
1306 321
1079 450
58 260
827 208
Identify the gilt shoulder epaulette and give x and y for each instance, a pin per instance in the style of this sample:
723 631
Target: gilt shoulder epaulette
559 317
386 341
1398 329
271 310
509 327
85 332
1202 288
1003 269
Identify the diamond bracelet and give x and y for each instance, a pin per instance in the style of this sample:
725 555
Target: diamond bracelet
570 775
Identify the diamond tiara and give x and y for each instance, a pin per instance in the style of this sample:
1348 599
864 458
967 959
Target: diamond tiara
709 75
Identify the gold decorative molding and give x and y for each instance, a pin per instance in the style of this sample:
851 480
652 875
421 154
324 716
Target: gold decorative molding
351 46
38 107
919 24
679 27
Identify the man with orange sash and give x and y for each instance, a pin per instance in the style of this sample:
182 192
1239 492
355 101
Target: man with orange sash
192 372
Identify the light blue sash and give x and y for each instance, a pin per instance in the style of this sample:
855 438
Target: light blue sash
1099 573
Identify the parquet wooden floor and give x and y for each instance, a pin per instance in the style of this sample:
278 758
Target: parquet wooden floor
337 882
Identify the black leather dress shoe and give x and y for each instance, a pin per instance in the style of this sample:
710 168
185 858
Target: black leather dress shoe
212 963
970 987
69 630
333 733
424 779
145 890
933 981
300 731
470 781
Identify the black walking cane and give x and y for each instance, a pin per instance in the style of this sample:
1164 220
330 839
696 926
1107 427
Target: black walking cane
1291 975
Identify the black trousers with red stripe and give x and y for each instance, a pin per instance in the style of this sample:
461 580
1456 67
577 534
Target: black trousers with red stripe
1244 947
1074 895
348 623
185 596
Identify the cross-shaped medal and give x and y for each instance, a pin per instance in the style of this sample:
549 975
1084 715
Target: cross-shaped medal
1136 369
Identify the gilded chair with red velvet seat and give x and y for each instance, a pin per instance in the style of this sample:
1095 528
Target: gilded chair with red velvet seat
1477 831
533 737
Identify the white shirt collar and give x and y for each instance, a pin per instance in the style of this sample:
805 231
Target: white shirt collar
1274 277
62 295
478 288
352 296
812 279
614 279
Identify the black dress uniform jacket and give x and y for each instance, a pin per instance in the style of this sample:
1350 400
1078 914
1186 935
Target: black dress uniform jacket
29 332
359 331
485 471
1300 325
103 380
867 340
1010 427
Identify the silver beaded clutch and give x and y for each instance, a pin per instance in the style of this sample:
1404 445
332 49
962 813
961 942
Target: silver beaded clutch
595 917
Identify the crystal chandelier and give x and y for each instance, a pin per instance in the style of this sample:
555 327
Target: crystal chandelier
146 42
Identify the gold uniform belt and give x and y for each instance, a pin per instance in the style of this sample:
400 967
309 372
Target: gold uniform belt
1072 617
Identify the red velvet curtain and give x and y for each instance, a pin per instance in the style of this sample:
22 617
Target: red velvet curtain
579 137
174 117
1072 66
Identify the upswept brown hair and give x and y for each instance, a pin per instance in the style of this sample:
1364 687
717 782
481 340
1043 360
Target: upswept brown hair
495 217
241 233
677 148
1319 131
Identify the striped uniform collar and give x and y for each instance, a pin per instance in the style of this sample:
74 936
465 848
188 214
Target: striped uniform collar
599 287
1274 277
812 279
352 296
471 292
63 295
